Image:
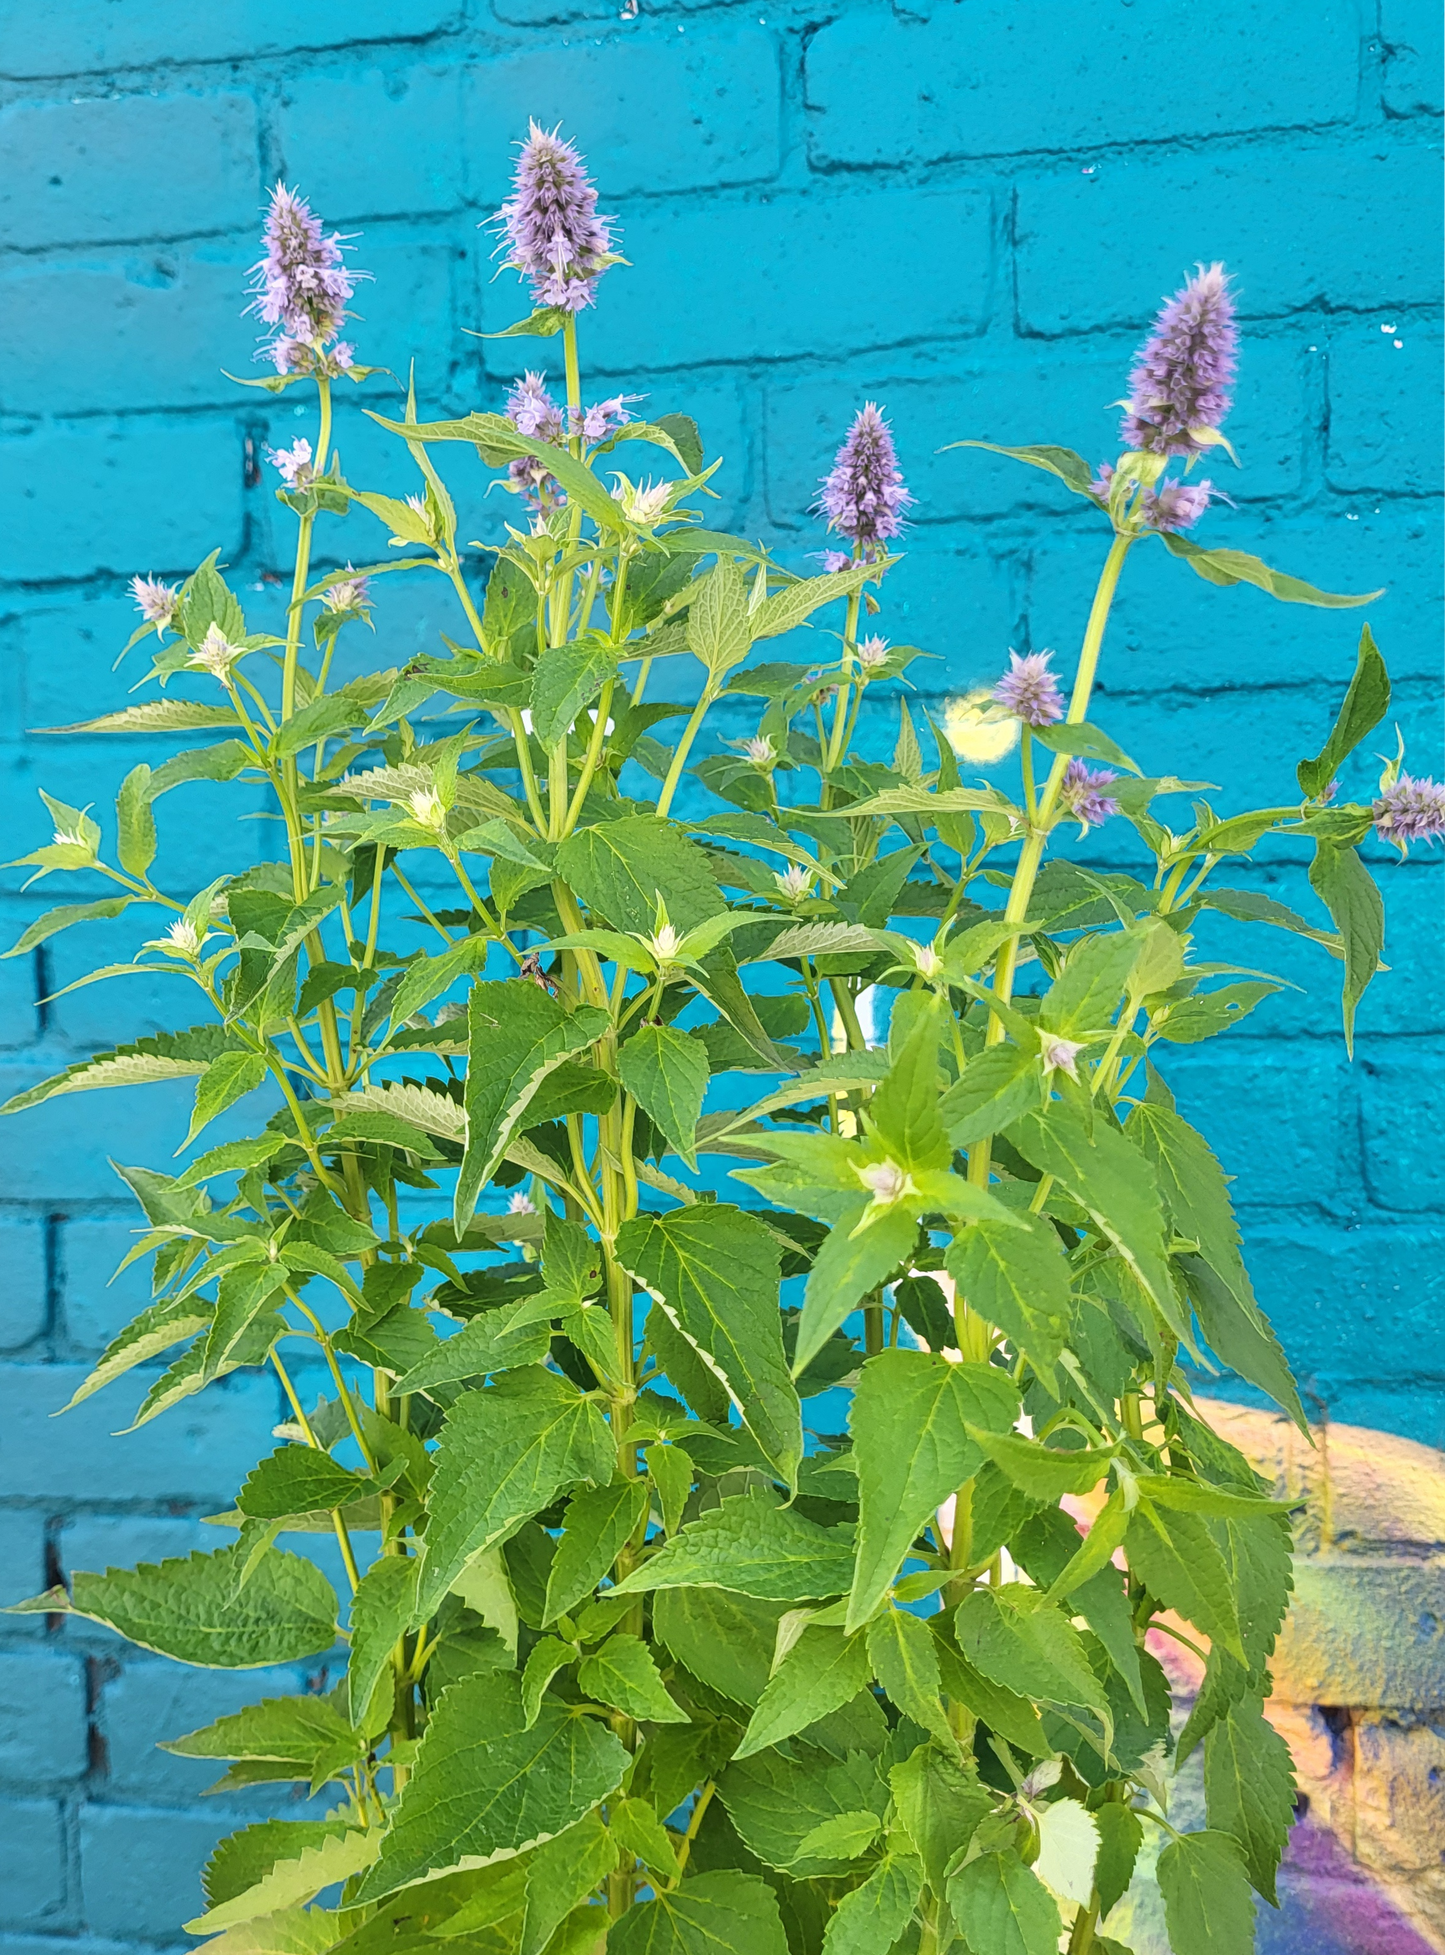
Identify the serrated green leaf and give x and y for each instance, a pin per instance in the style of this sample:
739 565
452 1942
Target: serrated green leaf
505 1453
156 1329
288 1882
624 1674
429 977
1069 466
1249 1789
724 1639
1121 1834
1086 993
715 1914
846 1268
714 1270
517 1034
1365 705
1002 1905
565 679
561 1873
1346 888
167 1055
1088 742
382 1610
940 1805
909 1420
135 823
1208 1907
1176 1557
823 1671
595 1529
842 1838
1045 1473
872 1917
753 1547
997 1085
299 1480
189 1608
1017 1279
904 1657
484 1787
1001 1709
226 1080
667 1072
778 1799
1238 567
56 920
506 1339
621 868
1020 1640
242 1858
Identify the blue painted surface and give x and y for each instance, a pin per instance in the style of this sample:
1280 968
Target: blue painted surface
967 211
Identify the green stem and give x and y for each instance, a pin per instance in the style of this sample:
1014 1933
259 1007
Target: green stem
679 758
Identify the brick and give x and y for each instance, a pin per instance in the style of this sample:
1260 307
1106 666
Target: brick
140 1869
1295 232
95 1542
42 1717
106 496
1347 1303
93 35
407 310
1378 438
198 1453
95 1301
24 1302
1365 1632
62 655
48 1155
22 1568
373 144
32 1868
105 170
775 277
149 1703
653 111
1000 78
1404 1168
1271 1112
1414 57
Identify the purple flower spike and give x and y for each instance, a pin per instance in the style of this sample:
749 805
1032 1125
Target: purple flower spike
532 410
1181 379
1410 810
863 495
550 229
1080 794
302 286
1030 690
1177 505
293 464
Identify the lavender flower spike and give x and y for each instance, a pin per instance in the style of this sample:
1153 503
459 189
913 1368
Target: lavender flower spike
301 286
156 602
863 496
1179 389
1410 810
1029 690
1079 792
1177 505
551 232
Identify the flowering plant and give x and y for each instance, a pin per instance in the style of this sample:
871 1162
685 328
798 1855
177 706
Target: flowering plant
629 1656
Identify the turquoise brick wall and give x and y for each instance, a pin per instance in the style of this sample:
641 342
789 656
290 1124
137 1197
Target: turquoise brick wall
967 209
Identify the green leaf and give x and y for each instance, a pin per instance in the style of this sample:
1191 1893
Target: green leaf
505 1453
903 1111
62 918
595 1529
1121 1834
715 1914
753 1547
719 629
1017 1279
242 1858
484 1786
1208 1907
1070 467
500 1340
909 1419
1002 1906
193 1609
429 977
1249 1789
1253 906
621 868
636 1827
1020 1640
713 1269
224 1081
155 1330
285 1730
299 1480
666 1072
1001 1709
567 678
288 1882
846 1268
670 1469
382 1610
940 1805
1195 1192
156 716
561 1873
778 1800
823 1671
1366 704
1238 567
1086 994
1088 742
1108 1176
1178 1560
1046 1473
517 1033
135 824
1346 888
997 1085
871 1918
623 1673
844 1838
167 1055
904 1657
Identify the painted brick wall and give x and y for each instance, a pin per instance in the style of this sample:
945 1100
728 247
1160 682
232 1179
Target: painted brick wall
965 210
